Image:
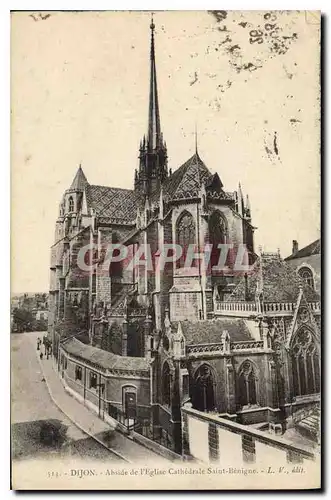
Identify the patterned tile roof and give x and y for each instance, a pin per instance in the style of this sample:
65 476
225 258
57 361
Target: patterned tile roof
120 205
210 331
105 359
186 181
114 203
311 249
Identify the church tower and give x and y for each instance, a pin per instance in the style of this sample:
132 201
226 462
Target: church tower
153 167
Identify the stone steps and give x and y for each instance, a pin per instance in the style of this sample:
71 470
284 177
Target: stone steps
310 425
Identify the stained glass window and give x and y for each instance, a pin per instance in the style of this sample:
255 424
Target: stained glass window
203 394
305 364
247 385
185 235
217 235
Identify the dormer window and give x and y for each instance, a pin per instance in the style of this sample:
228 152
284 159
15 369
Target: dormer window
71 207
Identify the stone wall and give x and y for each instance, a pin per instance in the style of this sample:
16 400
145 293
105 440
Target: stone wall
185 305
209 438
113 384
76 277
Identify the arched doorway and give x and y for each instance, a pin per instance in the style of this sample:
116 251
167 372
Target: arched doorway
203 397
305 363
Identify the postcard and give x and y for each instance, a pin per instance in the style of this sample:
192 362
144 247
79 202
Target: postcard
166 256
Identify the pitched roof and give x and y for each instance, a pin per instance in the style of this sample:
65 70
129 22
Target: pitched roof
121 205
104 359
311 249
80 180
210 331
115 203
186 181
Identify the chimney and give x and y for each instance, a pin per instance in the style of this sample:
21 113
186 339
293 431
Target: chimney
295 246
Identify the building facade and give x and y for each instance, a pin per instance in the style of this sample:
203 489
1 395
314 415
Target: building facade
307 262
138 336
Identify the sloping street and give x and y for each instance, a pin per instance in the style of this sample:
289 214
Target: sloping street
39 428
48 422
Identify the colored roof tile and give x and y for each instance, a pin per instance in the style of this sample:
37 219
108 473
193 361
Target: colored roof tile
115 203
210 331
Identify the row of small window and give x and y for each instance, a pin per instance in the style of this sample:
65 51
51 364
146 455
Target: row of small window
93 379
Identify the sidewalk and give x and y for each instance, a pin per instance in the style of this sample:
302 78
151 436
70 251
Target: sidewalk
92 425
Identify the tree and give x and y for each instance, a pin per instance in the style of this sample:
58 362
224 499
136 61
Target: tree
22 320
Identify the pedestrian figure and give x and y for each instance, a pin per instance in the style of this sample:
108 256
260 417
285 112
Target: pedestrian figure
41 355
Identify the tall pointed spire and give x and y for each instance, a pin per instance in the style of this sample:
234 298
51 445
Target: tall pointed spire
154 127
153 158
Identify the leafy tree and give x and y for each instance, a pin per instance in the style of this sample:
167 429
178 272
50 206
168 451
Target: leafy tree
22 320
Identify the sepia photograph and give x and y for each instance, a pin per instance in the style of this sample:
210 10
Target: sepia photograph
166 253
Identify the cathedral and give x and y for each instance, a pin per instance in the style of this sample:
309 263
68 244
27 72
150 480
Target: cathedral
135 340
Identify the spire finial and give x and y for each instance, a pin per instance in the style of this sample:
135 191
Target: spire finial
196 138
152 25
154 128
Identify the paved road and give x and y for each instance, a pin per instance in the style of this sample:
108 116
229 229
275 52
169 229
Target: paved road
39 428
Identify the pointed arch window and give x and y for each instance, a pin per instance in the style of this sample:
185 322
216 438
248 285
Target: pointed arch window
203 397
305 364
307 276
71 206
166 378
217 235
185 235
247 385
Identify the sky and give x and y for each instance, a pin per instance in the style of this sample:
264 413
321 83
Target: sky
79 94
